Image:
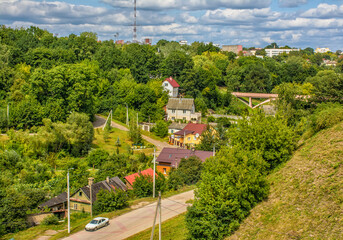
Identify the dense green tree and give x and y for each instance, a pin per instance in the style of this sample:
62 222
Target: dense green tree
109 201
231 184
143 185
161 129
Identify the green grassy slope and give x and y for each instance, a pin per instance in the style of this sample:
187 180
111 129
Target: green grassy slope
306 197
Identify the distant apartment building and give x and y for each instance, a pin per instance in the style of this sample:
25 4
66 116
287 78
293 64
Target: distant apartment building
147 41
232 48
183 42
182 109
322 50
271 52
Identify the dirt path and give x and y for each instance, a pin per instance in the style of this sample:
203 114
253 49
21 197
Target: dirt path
100 121
137 220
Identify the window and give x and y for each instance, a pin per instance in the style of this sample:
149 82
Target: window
164 170
172 131
184 111
189 138
173 118
184 118
195 138
173 111
166 84
80 194
75 206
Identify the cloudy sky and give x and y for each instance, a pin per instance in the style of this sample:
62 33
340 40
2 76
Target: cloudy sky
297 23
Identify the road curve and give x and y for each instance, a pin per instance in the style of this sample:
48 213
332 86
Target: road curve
137 220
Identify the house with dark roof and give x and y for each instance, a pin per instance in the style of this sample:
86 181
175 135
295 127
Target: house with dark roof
171 158
57 205
130 179
171 87
182 109
81 199
189 136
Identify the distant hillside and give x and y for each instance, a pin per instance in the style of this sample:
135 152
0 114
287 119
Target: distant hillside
306 197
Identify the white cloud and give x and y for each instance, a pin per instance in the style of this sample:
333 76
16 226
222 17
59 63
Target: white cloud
324 10
291 3
190 4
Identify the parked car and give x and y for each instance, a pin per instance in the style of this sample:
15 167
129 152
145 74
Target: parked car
97 223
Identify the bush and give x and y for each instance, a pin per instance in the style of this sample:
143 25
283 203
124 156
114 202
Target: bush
142 187
160 129
109 201
50 220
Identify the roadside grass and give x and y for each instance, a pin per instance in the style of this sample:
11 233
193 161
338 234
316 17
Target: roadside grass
153 136
79 224
171 229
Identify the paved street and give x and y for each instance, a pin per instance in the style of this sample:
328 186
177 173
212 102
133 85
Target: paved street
137 220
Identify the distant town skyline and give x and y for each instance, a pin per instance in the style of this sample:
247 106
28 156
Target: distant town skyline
297 23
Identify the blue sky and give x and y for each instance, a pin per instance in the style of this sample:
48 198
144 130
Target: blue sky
297 23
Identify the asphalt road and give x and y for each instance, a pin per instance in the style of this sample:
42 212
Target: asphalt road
137 220
100 121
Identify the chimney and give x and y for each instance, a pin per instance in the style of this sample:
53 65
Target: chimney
90 181
108 179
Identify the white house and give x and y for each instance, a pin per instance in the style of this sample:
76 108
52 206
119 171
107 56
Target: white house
171 86
182 108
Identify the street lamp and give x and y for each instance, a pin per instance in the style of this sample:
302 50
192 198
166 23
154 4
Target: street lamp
68 200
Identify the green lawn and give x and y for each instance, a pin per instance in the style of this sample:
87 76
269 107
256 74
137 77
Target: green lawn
110 144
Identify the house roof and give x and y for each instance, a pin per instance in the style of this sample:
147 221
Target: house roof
132 178
113 184
174 155
180 103
192 128
176 125
55 201
172 82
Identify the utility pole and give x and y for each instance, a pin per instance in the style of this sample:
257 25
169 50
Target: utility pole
127 115
68 199
158 207
154 175
90 183
8 115
160 224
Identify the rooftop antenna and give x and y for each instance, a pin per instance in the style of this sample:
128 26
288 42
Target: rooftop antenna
134 22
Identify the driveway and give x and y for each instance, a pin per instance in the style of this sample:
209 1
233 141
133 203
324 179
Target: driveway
137 220
100 121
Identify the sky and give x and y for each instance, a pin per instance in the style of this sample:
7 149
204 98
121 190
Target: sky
251 23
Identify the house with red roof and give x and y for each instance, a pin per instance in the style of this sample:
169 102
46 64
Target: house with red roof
189 136
130 179
171 86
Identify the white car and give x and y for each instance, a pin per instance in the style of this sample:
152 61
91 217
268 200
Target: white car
97 223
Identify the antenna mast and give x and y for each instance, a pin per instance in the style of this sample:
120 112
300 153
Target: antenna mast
135 23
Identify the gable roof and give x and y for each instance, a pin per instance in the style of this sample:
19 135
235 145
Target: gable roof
174 155
176 125
55 201
113 184
180 103
132 178
172 82
192 128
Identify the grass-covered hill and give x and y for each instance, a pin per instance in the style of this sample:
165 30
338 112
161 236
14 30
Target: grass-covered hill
306 195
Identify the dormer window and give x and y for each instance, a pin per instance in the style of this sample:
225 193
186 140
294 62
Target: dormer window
80 194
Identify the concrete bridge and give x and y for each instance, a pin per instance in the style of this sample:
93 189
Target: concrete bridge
268 96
